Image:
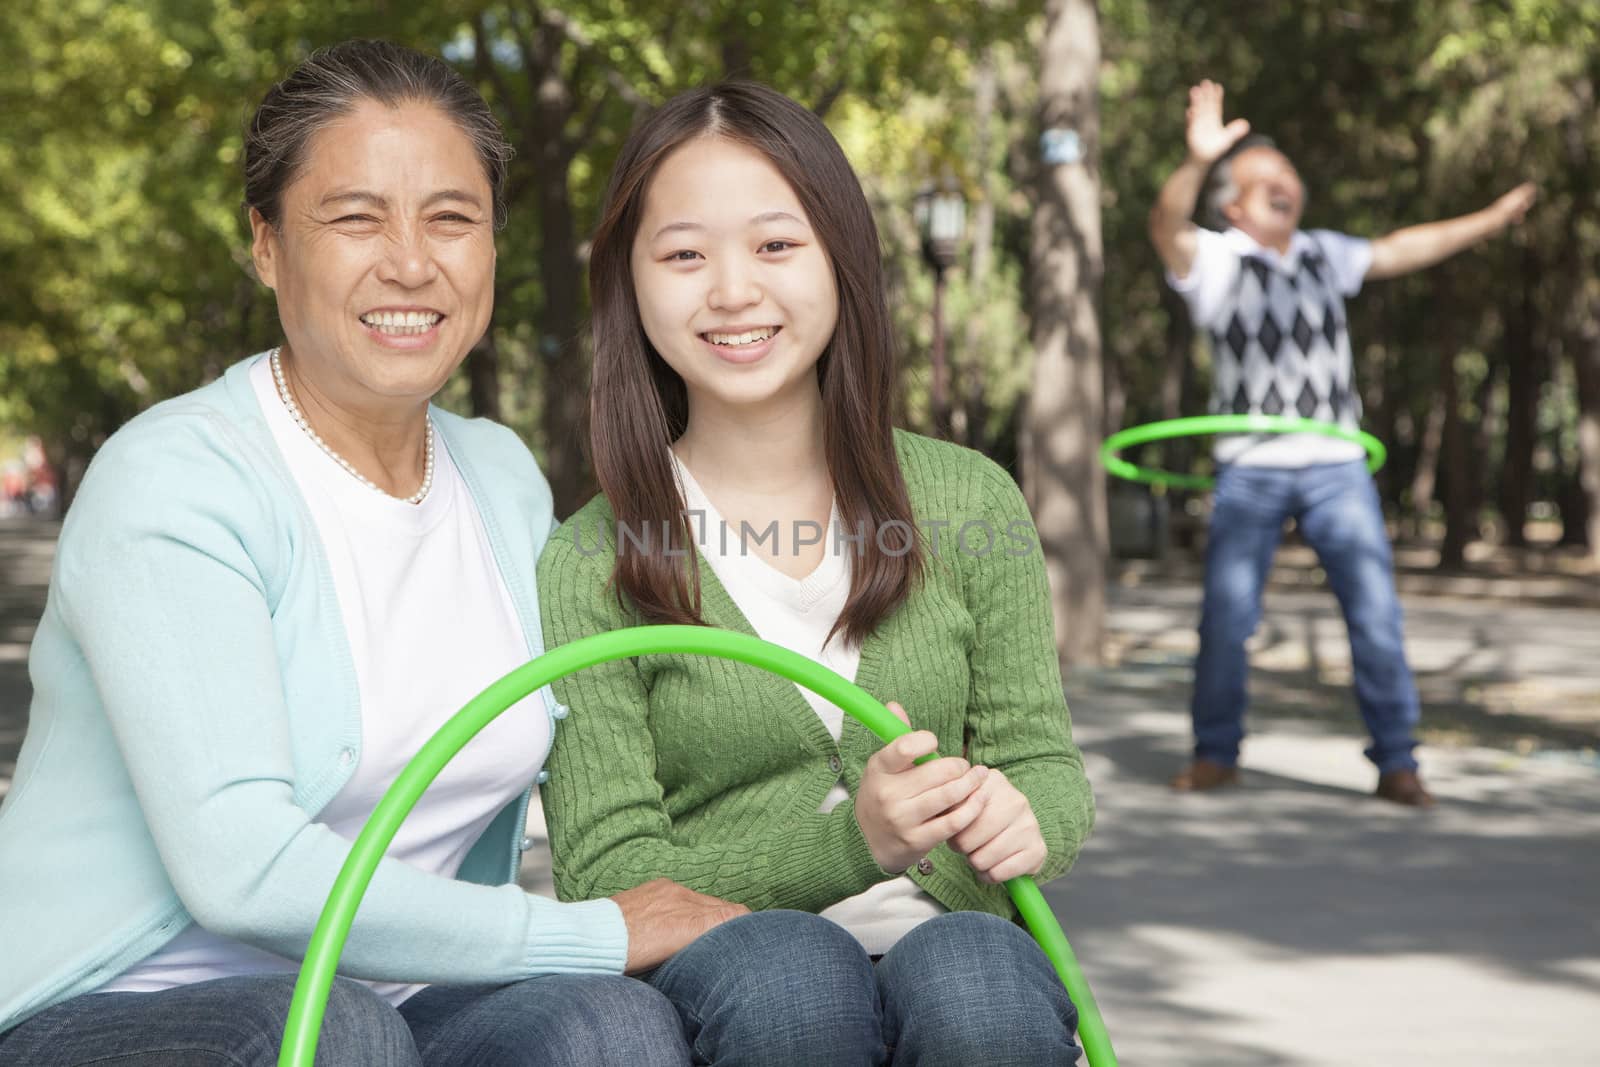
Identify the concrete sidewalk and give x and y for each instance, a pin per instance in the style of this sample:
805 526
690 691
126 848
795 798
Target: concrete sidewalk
1293 922
1297 922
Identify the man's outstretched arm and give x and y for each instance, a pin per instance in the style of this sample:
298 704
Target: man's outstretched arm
1416 247
1171 228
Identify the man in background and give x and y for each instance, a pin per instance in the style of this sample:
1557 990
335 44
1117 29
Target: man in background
1270 297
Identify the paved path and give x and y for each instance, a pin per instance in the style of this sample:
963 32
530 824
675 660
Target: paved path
1296 922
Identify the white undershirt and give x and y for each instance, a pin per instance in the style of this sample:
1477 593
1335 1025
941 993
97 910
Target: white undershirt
430 623
797 614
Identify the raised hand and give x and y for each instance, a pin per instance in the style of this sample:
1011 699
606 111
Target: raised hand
1004 841
1208 139
663 916
1512 206
904 809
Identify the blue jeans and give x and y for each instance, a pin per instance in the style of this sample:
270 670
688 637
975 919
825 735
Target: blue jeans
550 1021
1336 508
790 989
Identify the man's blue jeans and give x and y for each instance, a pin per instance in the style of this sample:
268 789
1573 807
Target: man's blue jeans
554 1021
791 989
1337 511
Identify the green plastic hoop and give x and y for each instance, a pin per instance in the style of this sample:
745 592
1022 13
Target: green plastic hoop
1198 425
327 940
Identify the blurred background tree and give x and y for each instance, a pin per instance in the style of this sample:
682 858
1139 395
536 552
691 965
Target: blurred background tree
123 245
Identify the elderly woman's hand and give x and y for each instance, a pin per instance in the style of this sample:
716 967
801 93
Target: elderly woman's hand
904 809
663 916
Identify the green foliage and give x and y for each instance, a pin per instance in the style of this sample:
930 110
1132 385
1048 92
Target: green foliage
123 247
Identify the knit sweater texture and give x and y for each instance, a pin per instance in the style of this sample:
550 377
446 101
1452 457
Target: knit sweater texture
711 772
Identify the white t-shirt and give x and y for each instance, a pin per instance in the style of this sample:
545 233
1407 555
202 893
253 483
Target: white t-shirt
797 614
430 624
1211 289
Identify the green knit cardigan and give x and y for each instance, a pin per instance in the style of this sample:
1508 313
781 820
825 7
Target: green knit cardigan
710 772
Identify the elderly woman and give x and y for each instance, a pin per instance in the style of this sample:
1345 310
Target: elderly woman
268 593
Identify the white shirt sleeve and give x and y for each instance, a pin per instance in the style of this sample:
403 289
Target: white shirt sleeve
1348 257
1211 276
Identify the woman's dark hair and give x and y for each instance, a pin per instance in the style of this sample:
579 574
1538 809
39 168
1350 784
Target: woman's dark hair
331 83
639 405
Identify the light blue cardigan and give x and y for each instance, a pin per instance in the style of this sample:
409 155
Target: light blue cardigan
195 706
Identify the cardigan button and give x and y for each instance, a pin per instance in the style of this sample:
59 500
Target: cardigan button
347 756
542 777
834 765
527 843
560 711
924 866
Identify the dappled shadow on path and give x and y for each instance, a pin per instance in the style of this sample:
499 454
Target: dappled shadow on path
1301 865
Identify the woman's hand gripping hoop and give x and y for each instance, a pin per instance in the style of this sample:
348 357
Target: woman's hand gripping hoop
327 941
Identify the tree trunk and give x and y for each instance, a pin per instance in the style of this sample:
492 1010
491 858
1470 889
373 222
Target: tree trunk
68 464
733 37
483 377
1456 478
1466 480
1425 479
1375 377
1572 506
564 383
1177 381
1177 363
1586 361
1113 387
1522 400
564 378
1062 429
1583 319
971 402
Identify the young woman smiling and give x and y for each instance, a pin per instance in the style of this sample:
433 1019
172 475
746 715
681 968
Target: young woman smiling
752 480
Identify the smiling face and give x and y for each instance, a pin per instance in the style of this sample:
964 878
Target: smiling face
1271 197
735 291
383 263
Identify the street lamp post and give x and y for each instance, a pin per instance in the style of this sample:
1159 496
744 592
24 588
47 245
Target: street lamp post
941 214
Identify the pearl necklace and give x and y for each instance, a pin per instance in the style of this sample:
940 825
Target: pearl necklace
299 417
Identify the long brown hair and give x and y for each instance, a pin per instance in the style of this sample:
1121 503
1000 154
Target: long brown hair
638 405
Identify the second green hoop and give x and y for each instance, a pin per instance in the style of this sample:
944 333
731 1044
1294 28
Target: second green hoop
1202 425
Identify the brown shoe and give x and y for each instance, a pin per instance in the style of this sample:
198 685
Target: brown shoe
1403 787
1202 774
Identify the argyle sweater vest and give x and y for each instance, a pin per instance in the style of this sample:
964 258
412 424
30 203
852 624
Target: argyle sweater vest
1283 347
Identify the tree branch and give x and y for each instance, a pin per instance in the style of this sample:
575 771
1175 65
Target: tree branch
618 81
589 124
487 70
532 62
665 35
829 96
